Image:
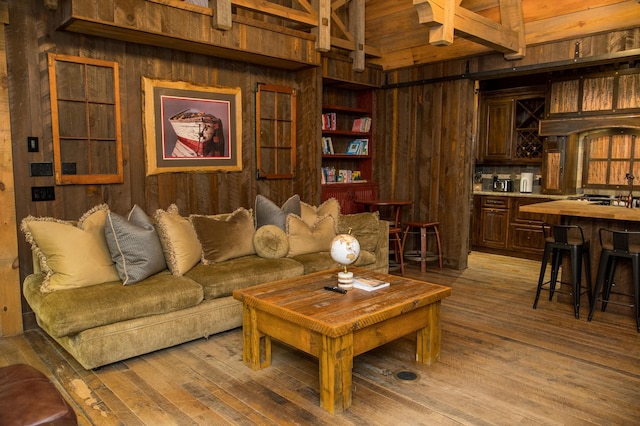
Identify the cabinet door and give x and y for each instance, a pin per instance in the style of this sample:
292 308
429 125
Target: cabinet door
494 224
497 136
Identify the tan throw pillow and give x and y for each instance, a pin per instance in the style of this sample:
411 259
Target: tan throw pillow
180 244
305 239
310 214
270 242
71 256
225 239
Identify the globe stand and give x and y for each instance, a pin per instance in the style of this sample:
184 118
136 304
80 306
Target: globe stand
345 279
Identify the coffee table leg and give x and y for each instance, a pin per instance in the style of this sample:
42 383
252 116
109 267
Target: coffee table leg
429 337
336 363
256 348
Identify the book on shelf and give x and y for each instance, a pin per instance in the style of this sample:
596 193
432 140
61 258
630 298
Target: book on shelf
364 146
361 125
369 284
354 147
329 121
327 145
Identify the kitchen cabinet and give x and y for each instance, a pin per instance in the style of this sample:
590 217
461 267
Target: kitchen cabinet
509 126
503 229
559 165
494 222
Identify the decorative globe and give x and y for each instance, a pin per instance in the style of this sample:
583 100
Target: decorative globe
345 249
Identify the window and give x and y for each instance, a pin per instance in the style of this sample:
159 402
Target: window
85 115
275 131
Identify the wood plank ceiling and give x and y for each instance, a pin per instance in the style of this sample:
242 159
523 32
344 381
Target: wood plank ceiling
396 38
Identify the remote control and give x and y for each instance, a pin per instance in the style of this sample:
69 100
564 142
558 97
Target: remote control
336 289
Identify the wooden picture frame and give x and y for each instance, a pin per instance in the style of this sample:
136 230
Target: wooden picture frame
191 128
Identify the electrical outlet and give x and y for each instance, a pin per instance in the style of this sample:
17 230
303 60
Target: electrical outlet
32 143
43 193
41 169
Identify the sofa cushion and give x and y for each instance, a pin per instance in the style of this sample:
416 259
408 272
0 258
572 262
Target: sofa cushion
363 226
134 245
224 239
270 242
220 279
304 238
66 312
268 213
179 240
71 256
310 214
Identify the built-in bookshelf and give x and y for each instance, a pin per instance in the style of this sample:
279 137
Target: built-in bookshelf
347 146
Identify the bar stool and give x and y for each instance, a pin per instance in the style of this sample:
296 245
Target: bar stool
560 239
425 229
617 245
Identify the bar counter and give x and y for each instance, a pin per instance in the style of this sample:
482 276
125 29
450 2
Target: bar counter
591 217
587 209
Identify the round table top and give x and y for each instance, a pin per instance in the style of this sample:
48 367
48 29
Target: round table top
384 202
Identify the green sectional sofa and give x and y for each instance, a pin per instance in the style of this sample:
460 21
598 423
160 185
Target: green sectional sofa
101 323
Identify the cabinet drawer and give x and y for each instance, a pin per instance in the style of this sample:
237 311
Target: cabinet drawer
495 202
524 217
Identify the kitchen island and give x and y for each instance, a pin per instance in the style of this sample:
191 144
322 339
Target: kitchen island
591 217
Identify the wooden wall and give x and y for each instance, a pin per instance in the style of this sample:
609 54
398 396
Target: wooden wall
32 33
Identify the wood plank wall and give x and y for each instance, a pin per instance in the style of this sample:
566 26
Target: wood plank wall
33 29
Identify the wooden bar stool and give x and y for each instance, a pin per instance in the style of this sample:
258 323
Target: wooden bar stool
425 229
617 245
560 239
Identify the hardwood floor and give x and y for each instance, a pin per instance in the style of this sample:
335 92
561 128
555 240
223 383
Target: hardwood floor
502 363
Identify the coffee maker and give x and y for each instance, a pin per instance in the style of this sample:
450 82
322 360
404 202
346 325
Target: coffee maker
526 182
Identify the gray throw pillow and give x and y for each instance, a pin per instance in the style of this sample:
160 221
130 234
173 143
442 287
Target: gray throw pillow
268 213
134 245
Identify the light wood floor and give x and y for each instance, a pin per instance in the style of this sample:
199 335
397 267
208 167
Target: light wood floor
502 363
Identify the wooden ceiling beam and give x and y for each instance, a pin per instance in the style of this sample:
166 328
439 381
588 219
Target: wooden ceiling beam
446 18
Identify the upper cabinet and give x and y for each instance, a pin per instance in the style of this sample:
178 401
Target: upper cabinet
508 124
611 92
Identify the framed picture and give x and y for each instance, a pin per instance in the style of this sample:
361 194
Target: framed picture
191 128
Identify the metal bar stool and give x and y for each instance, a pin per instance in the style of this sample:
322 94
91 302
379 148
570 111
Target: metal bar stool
616 245
424 231
560 239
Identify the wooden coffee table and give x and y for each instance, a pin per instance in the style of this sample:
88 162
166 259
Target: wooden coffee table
336 327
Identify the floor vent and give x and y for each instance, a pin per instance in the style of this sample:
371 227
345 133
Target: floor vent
406 375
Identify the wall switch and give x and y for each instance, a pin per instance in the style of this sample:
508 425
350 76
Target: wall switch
41 169
32 143
43 193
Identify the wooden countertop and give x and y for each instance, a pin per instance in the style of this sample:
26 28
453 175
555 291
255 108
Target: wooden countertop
583 209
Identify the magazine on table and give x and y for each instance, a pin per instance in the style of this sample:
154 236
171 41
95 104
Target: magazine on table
369 284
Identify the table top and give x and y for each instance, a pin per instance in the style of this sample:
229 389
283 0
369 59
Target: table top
384 202
583 209
304 301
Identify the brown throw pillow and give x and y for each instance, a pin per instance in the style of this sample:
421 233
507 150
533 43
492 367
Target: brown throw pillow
225 239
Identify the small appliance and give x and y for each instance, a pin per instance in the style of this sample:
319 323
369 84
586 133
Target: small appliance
526 182
502 185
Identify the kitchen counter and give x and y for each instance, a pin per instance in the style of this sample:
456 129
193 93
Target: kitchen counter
583 209
522 194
